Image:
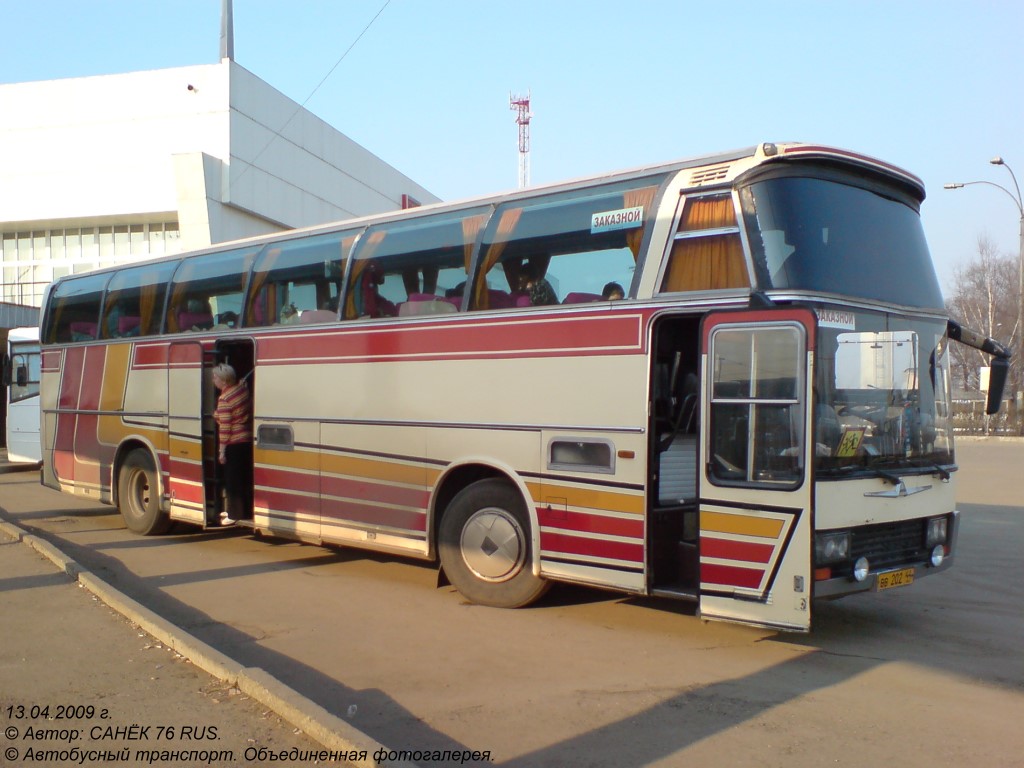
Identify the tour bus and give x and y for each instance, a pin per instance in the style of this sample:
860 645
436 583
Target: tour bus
21 387
761 421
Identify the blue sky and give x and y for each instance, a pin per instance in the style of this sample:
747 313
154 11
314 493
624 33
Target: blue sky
935 87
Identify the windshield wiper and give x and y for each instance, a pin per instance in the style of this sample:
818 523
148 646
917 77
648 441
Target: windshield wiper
850 470
889 476
936 468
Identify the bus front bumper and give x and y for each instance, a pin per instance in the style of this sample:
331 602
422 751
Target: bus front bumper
840 580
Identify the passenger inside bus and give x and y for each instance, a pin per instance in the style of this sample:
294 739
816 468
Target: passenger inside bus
613 292
532 280
121 322
197 316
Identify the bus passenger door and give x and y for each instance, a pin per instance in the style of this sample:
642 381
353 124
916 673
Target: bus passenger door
186 481
756 519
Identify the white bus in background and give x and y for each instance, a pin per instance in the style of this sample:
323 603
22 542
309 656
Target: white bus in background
21 391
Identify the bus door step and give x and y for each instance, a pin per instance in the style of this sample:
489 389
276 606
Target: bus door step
676 593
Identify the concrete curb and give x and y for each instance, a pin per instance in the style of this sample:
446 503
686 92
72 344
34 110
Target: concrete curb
320 725
315 721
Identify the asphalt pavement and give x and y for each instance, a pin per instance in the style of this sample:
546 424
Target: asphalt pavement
89 676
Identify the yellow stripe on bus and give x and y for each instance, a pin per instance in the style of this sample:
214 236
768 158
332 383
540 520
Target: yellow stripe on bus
589 498
374 469
115 374
349 466
186 449
746 525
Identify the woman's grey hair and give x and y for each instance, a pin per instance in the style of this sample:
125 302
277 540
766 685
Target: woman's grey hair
225 373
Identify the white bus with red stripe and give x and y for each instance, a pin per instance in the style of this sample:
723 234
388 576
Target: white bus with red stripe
762 421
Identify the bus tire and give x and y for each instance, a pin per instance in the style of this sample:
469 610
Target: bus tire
137 496
484 543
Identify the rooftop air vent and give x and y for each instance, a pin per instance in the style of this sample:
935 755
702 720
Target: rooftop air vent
707 175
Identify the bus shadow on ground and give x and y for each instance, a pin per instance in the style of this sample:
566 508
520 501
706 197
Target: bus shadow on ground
928 625
401 725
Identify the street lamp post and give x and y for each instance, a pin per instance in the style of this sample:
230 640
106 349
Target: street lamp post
1019 202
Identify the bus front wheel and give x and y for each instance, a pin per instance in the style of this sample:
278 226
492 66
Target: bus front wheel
137 496
485 549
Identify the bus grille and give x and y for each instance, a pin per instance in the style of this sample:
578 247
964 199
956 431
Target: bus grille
890 545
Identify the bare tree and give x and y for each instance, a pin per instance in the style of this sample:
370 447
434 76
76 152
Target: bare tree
984 297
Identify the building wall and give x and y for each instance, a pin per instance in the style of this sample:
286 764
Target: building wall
100 170
93 147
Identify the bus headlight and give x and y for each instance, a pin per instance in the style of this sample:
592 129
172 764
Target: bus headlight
831 547
861 569
938 555
936 531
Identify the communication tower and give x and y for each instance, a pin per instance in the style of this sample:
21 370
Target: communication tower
521 106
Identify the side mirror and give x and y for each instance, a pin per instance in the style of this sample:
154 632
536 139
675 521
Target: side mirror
999 367
22 376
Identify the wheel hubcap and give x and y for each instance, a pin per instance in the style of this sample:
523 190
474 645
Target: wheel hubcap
493 545
139 493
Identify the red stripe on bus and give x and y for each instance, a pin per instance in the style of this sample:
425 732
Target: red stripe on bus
71 378
92 379
744 551
89 454
340 511
50 360
64 446
345 488
731 576
382 492
184 470
286 504
468 340
187 355
573 545
64 464
285 480
189 493
149 355
588 523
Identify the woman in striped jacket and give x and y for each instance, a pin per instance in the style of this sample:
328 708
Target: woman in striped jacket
234 443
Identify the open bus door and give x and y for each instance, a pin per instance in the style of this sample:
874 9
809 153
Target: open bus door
189 473
756 491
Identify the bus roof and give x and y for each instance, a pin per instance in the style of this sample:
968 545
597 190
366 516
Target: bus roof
29 333
719 169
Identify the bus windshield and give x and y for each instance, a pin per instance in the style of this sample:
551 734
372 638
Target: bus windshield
825 235
24 370
882 398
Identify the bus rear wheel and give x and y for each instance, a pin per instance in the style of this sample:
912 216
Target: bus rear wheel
485 548
137 496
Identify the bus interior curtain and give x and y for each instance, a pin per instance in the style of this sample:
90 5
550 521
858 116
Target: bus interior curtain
706 263
638 197
506 226
354 300
471 227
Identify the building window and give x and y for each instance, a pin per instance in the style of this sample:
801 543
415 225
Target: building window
31 258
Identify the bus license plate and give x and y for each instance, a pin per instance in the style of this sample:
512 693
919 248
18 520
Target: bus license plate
895 578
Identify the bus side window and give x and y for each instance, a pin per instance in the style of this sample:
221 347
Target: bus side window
299 280
73 312
563 248
135 299
413 267
707 252
207 287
